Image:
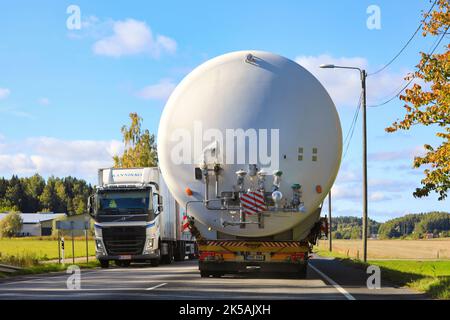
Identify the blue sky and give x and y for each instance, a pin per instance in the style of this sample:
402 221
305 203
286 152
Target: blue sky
64 94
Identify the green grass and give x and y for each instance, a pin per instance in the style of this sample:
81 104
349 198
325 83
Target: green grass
43 248
431 277
48 267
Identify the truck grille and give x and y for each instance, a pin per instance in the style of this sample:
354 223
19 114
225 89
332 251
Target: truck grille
124 240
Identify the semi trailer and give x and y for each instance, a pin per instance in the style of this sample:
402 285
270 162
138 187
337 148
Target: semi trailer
250 143
137 219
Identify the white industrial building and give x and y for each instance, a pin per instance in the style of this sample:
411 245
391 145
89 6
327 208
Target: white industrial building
37 224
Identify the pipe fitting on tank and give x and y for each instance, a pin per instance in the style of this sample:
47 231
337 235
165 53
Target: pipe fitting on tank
276 180
296 195
240 179
217 170
261 179
252 170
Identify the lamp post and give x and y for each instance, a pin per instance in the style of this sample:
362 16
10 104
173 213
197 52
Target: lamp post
363 75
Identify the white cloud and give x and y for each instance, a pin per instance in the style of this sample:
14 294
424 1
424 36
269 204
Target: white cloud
15 112
158 91
379 196
4 93
51 156
132 37
344 86
347 192
408 153
44 101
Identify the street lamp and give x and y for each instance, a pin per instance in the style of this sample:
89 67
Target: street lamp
363 75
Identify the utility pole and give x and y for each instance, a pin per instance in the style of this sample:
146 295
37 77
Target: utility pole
364 129
330 223
363 75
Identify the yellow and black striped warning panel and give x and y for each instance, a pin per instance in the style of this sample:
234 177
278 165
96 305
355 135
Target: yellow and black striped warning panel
253 246
274 244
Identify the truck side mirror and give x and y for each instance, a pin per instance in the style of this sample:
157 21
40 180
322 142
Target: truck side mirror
89 205
159 204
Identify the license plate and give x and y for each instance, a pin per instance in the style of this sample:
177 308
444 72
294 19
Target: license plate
255 257
125 257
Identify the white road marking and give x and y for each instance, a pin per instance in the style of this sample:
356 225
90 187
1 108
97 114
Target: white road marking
333 283
155 287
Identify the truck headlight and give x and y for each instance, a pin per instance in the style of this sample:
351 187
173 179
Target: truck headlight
148 246
99 246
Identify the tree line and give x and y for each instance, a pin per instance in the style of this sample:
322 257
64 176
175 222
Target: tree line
417 225
413 226
35 194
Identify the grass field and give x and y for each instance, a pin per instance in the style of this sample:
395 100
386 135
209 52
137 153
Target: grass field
392 249
42 249
419 269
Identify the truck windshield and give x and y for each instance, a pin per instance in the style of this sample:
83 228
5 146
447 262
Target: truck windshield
124 202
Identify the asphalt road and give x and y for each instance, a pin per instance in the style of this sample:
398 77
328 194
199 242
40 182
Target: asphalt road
327 279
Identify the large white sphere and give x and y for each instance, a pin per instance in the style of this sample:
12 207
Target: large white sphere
265 91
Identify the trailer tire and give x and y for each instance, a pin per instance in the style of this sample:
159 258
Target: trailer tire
104 264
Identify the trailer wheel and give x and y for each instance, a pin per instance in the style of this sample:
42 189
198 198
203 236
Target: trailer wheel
104 264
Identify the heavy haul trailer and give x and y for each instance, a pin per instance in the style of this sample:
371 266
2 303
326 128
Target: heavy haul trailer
269 255
250 144
137 219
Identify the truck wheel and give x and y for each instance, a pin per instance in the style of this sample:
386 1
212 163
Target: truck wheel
168 259
180 252
154 262
104 264
192 256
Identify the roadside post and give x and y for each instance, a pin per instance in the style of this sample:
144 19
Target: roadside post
62 250
330 244
73 242
72 226
59 248
87 242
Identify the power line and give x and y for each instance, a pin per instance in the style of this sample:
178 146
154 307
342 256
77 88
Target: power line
353 120
413 77
407 43
351 130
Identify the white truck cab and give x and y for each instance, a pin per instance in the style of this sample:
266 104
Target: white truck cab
137 219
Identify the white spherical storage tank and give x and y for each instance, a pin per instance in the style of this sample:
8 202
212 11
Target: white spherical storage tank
251 143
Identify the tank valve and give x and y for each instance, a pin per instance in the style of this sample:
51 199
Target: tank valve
277 179
262 179
252 170
240 179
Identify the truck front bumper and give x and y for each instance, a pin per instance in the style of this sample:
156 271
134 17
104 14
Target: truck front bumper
136 258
